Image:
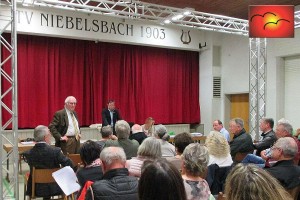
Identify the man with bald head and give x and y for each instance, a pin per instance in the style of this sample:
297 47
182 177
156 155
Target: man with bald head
116 182
65 127
284 170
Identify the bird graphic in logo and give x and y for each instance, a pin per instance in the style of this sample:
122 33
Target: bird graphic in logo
272 21
269 19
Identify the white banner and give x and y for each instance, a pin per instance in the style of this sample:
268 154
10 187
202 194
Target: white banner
78 25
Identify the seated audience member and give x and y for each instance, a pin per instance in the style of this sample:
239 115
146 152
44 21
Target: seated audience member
167 149
44 156
137 133
149 150
248 182
181 141
148 127
285 129
160 180
242 141
218 126
195 160
268 137
123 131
284 170
107 134
116 182
218 150
91 171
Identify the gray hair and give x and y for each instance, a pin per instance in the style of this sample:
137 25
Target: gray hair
106 131
286 127
238 121
150 147
161 132
288 146
110 155
122 129
69 98
40 132
195 159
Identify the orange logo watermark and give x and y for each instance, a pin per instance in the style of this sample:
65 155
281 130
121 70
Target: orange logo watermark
271 21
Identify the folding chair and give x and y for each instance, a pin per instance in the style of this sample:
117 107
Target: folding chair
39 176
76 159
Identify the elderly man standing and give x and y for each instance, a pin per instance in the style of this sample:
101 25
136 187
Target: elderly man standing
116 182
284 170
123 131
242 142
65 127
44 156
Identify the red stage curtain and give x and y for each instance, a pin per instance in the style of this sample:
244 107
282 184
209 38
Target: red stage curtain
144 81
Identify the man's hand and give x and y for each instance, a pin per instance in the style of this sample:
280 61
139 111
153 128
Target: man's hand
64 138
263 155
113 137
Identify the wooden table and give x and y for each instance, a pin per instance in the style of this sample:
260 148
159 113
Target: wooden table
199 139
21 147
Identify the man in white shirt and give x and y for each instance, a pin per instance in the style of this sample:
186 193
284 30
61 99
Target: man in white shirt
65 127
218 126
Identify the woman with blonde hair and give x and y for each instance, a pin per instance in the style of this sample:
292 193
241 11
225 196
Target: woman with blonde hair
248 182
218 149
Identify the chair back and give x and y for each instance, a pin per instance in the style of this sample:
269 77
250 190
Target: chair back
216 177
295 192
76 159
41 176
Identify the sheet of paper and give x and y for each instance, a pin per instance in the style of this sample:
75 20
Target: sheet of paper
67 180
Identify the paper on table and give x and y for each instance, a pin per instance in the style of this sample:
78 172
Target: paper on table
67 180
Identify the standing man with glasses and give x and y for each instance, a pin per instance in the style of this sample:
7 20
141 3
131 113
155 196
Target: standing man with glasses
65 127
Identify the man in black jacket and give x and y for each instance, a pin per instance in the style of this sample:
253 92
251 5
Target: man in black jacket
242 141
110 115
116 182
268 135
284 170
44 156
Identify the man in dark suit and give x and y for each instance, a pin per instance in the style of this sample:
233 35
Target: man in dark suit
110 115
65 127
44 156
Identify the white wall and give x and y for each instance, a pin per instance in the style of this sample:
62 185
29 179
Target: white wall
277 50
234 75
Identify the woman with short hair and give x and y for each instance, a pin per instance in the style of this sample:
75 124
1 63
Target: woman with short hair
195 159
90 156
150 149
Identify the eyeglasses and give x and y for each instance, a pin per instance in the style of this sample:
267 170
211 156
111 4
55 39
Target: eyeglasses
72 103
274 147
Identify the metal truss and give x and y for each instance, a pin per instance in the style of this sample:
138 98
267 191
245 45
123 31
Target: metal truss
8 77
297 19
257 83
152 12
